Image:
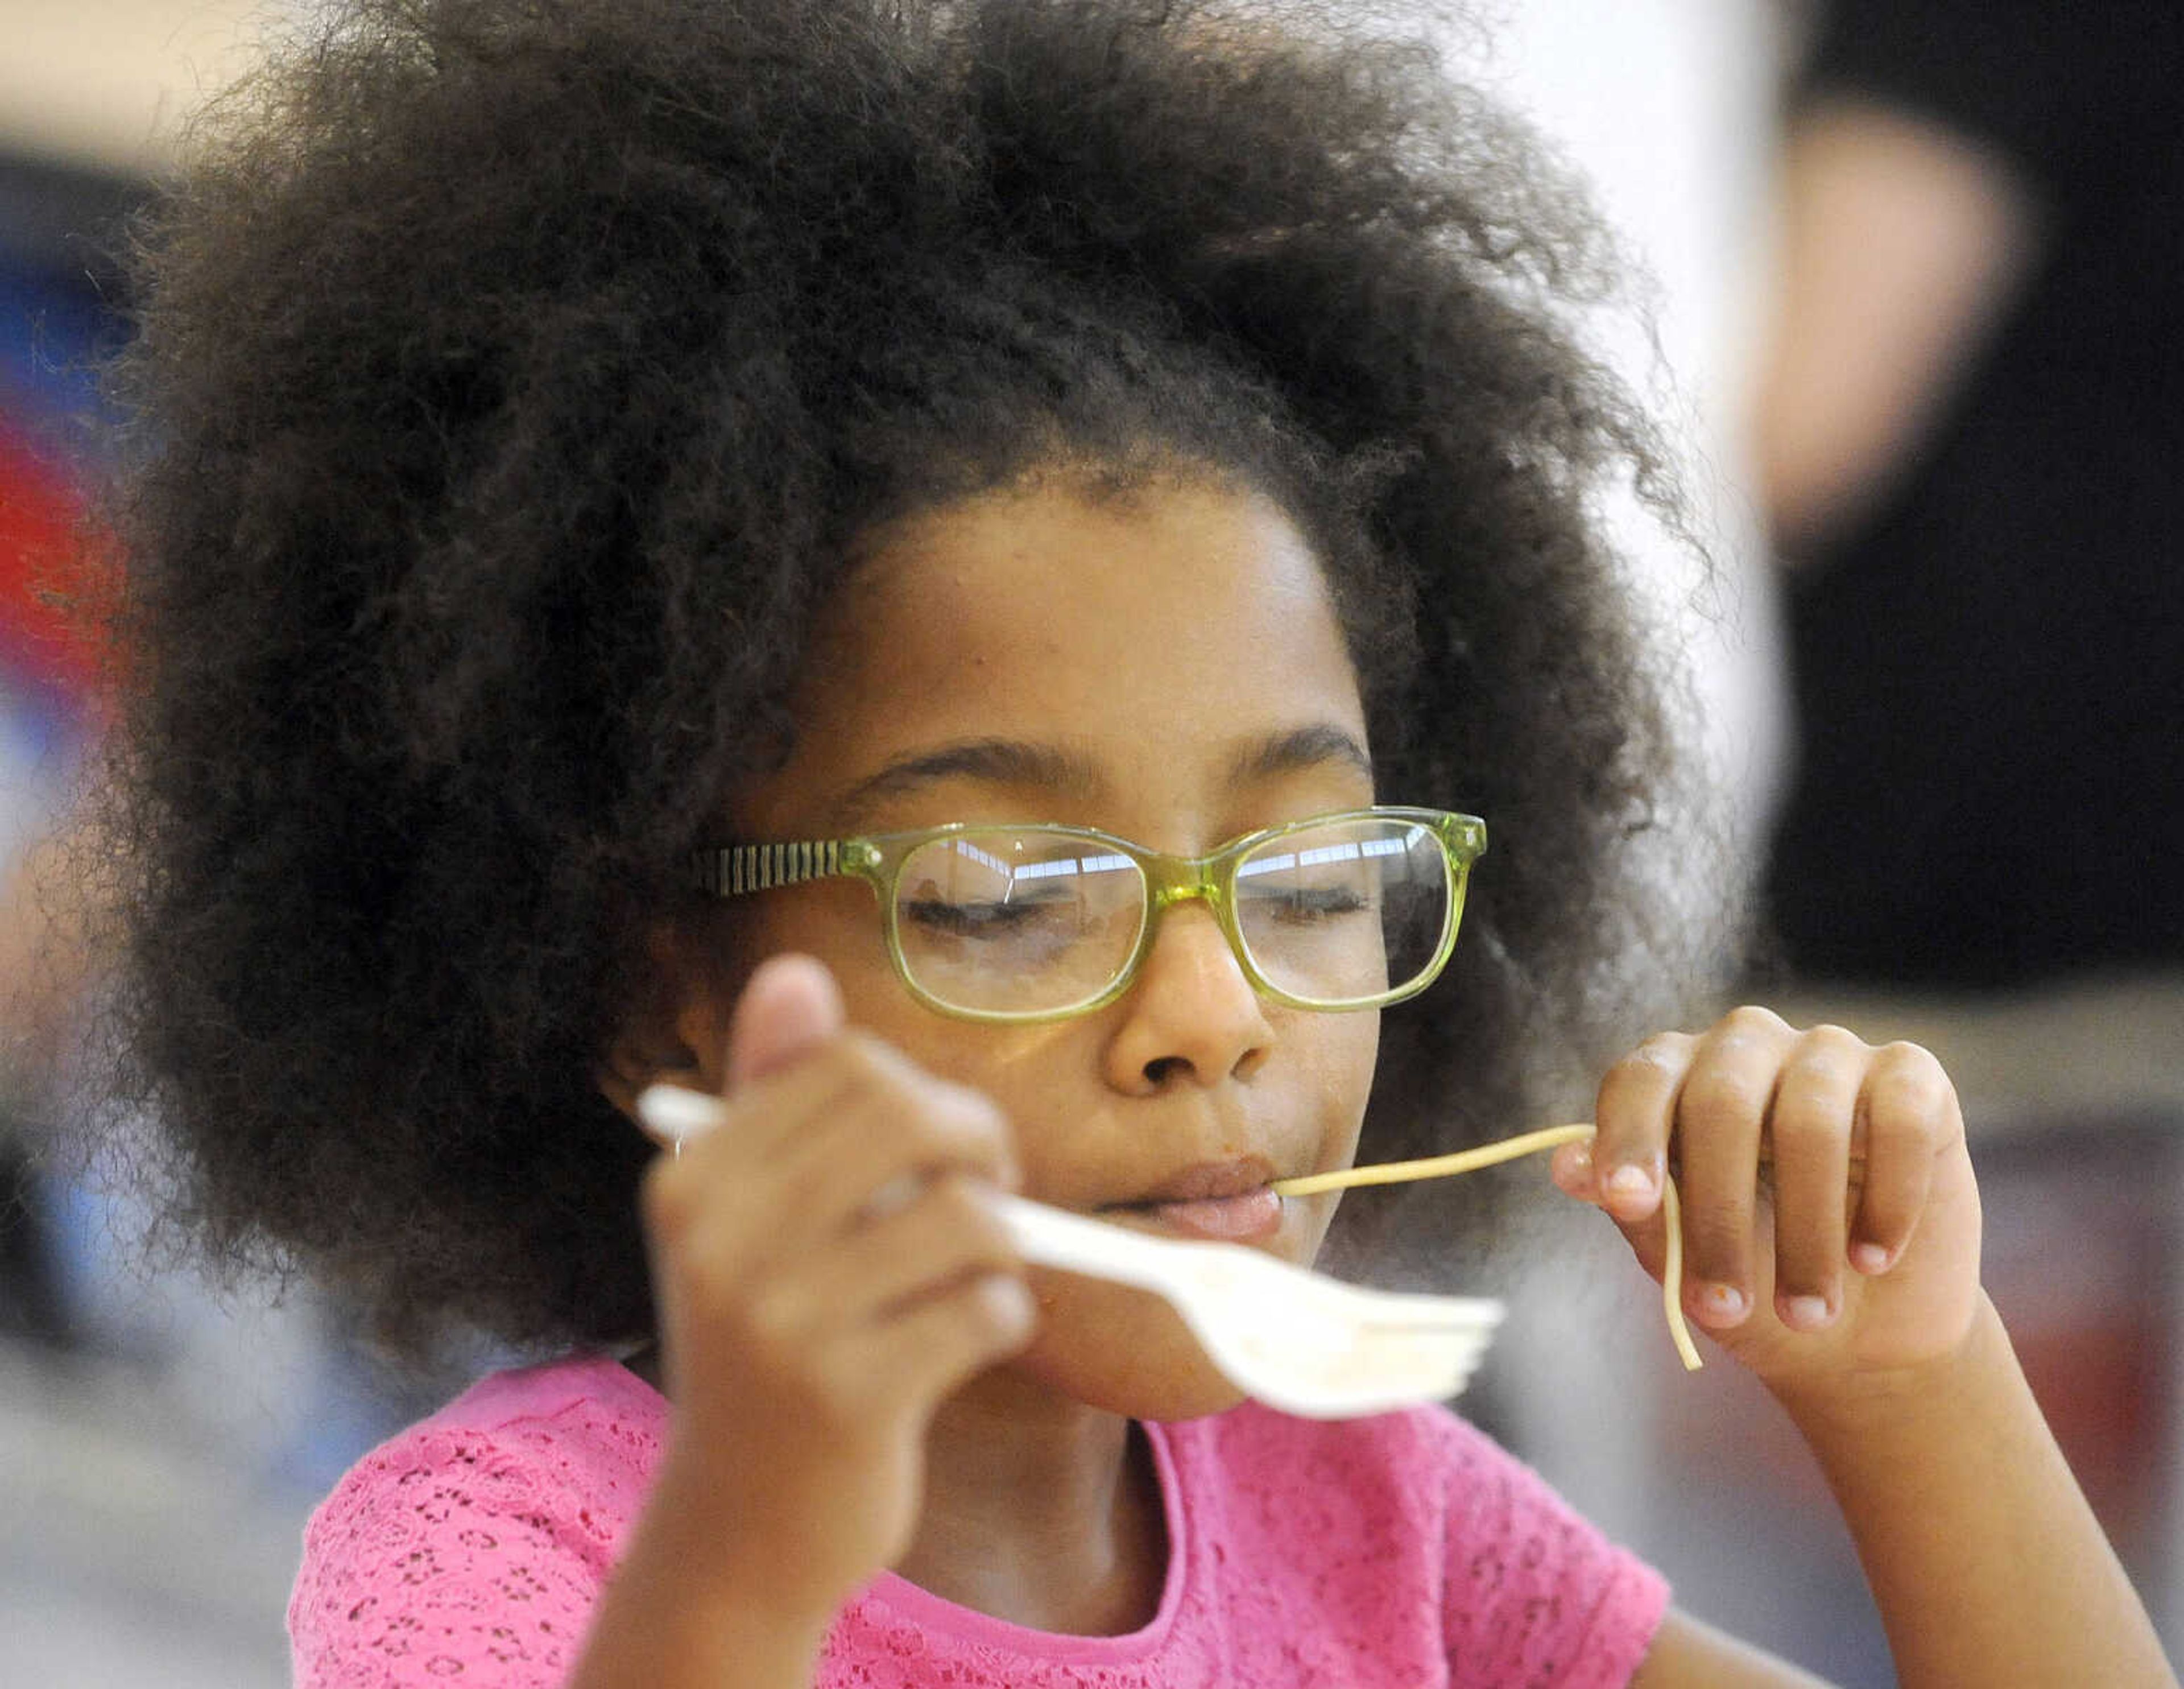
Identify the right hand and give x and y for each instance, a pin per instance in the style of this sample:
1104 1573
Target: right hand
808 1334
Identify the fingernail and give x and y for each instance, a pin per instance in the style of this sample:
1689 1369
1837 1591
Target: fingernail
1012 1303
1720 1304
674 1114
1807 1313
1572 1168
1869 1259
892 1197
1629 1187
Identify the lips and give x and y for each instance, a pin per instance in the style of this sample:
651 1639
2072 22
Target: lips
1211 1182
1227 1201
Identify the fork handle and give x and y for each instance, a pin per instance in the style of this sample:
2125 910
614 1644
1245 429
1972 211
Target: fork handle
1053 1237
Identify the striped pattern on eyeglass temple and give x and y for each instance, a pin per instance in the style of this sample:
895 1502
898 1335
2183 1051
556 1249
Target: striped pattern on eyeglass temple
740 869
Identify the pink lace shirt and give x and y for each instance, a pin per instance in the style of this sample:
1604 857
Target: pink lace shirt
1406 1550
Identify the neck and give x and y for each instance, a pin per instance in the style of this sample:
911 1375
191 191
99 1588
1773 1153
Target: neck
1039 1511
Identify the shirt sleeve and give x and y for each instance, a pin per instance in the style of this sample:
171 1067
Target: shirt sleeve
451 1556
1534 1593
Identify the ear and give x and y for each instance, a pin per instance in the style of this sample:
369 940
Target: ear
677 1026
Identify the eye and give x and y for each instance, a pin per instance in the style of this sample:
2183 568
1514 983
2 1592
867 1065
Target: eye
979 920
1303 905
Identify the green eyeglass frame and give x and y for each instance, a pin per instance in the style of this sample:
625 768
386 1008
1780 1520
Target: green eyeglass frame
877 859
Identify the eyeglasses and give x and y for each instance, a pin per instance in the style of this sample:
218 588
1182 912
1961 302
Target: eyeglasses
1351 911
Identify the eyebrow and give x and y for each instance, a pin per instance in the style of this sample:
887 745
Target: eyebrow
992 761
1297 751
1015 763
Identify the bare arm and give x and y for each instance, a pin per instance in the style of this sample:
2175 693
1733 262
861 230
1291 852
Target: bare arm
1986 1562
1686 1652
1987 1565
679 1612
1899 244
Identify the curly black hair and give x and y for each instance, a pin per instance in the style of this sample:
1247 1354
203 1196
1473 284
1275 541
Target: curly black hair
512 378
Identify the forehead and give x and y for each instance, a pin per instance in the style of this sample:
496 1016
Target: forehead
1152 631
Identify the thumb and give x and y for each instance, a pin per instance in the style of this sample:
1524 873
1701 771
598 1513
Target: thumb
789 1005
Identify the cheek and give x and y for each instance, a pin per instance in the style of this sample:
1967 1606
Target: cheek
836 922
1335 1057
1339 1073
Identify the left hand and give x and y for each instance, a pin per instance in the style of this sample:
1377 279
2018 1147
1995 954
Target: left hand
1832 1224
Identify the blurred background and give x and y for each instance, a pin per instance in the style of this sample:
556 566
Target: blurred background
1909 318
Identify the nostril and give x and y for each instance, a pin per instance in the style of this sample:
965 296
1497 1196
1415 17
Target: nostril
1160 1070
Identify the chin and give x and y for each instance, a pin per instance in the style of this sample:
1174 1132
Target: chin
1121 1351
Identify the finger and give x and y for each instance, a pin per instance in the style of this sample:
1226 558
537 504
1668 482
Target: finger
803 1153
790 1012
748 1127
948 1232
1911 1115
1571 1169
1816 1105
1633 1117
876 1150
934 1345
1721 1116
789 1007
781 1303
781 1114
887 1137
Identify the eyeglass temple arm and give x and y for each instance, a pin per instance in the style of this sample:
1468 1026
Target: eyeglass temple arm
736 869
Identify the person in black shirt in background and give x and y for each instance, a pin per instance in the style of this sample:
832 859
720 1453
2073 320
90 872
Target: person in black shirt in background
1968 441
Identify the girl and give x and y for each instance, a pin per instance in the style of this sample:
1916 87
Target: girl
1022 442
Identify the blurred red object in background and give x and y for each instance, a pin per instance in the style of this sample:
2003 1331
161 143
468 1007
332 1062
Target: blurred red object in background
45 575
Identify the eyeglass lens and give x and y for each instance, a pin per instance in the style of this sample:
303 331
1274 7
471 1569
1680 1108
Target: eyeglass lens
1023 922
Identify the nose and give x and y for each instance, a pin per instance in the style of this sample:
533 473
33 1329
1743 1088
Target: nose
1190 1015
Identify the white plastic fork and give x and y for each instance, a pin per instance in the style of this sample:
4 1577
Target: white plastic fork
1293 1339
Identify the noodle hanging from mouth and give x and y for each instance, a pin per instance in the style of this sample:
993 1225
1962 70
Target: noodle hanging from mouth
1509 1149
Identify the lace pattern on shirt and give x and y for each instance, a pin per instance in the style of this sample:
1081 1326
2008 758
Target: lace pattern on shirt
467 1556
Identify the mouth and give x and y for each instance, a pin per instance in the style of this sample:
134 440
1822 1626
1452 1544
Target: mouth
1226 1201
